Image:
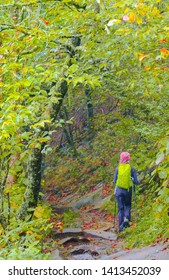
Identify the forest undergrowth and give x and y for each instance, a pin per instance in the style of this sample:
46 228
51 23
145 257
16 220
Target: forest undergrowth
149 206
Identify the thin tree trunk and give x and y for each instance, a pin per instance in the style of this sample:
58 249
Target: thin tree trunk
5 166
68 132
90 113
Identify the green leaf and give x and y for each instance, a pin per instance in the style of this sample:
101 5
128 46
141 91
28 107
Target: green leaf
40 123
162 174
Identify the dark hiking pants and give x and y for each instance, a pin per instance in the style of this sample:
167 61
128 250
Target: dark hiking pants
123 198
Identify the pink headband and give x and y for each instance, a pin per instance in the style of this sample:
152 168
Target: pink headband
124 157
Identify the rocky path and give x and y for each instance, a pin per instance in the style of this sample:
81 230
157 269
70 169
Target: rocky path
94 239
92 235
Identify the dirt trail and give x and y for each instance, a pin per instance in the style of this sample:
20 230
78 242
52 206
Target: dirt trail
92 236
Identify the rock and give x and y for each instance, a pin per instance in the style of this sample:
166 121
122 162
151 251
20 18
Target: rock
83 249
61 209
158 252
69 199
101 234
85 256
67 232
71 240
99 204
55 255
88 199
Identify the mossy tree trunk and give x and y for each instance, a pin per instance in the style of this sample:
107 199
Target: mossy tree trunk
35 161
4 168
31 195
34 177
90 113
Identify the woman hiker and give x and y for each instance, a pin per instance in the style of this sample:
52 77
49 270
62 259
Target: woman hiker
124 177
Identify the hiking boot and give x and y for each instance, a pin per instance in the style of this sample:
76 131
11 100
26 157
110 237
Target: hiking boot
126 223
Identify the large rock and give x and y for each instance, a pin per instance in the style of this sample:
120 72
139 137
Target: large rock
85 252
101 234
72 202
67 232
88 199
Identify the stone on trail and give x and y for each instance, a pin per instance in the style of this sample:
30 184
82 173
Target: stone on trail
85 256
158 252
78 239
101 234
88 199
82 250
55 255
67 232
74 202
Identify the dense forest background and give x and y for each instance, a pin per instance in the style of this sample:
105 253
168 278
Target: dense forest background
81 81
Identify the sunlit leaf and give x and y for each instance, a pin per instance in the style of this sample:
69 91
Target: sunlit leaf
39 211
132 17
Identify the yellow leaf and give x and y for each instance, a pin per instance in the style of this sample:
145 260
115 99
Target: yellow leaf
131 17
146 68
29 232
126 11
165 183
142 56
39 211
139 20
157 215
43 139
14 205
155 11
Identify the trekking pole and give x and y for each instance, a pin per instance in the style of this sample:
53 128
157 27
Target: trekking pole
135 204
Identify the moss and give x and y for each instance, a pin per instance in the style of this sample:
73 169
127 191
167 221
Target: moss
69 218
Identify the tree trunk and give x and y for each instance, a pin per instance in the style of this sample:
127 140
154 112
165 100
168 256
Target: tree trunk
5 171
35 161
34 177
35 164
68 132
90 113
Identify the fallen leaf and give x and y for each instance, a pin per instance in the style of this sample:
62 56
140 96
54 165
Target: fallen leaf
154 244
46 250
128 249
164 249
166 240
132 225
